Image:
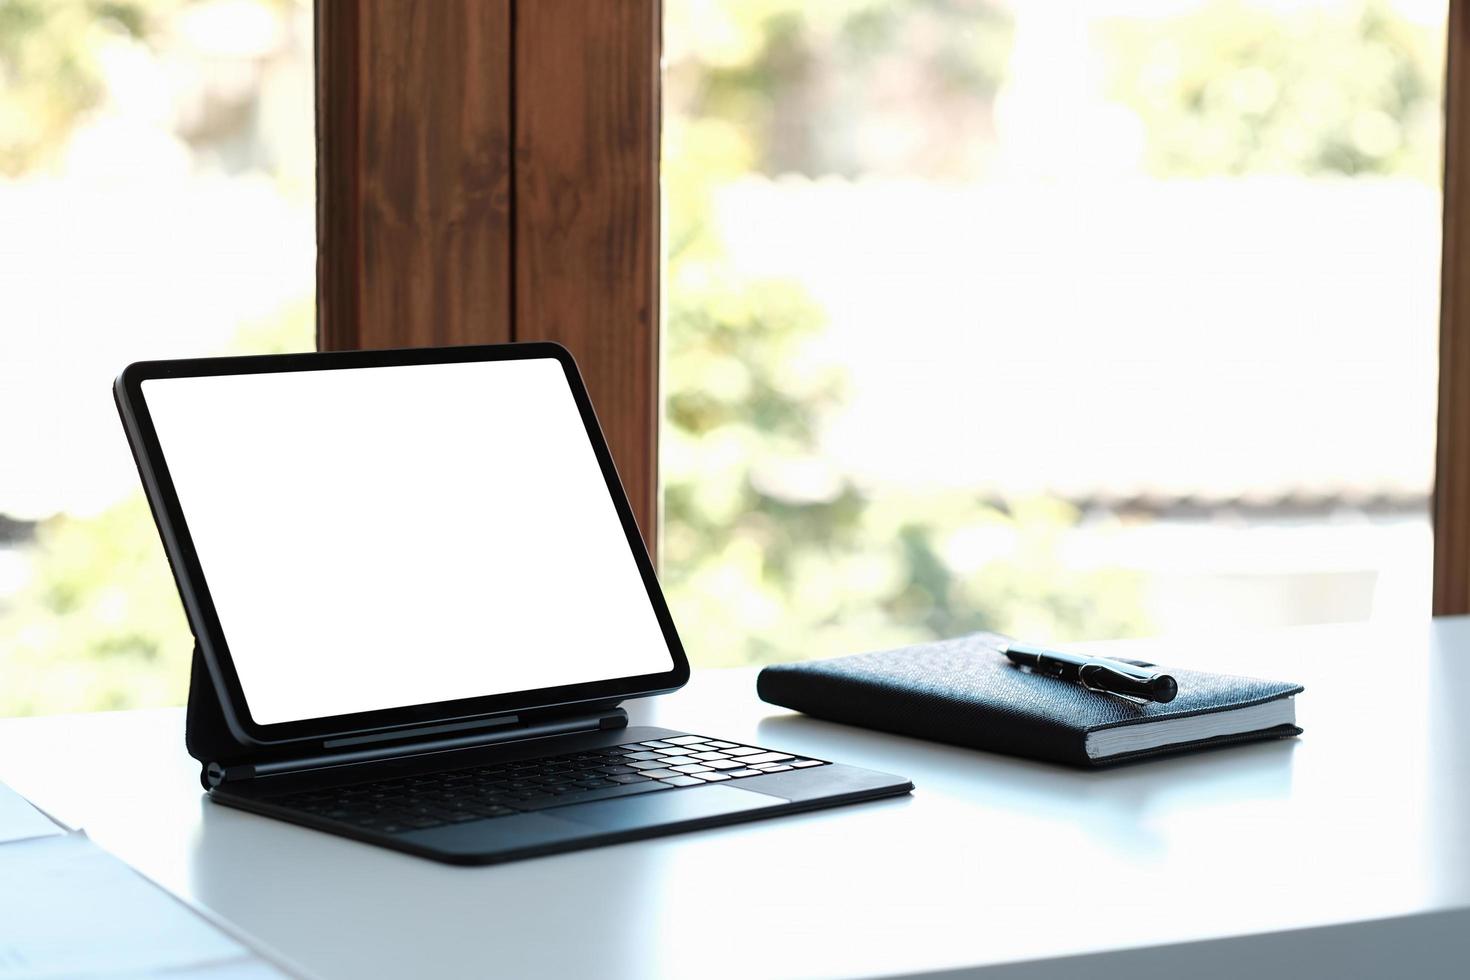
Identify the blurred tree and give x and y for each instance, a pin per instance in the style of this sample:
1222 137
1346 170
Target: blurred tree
50 72
845 87
769 552
53 56
97 621
1233 87
98 624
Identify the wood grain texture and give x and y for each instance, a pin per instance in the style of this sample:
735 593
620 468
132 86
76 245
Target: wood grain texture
414 172
1452 462
338 228
586 212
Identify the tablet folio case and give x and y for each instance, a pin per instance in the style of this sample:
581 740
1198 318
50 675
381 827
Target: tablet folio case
964 691
206 734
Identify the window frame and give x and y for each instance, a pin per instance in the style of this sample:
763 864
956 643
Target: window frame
1451 503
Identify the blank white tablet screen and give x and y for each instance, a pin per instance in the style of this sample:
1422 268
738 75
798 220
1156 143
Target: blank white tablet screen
381 537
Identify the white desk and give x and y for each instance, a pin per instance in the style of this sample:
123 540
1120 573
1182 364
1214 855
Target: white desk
1343 854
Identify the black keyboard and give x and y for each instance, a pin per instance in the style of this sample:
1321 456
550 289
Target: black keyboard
461 795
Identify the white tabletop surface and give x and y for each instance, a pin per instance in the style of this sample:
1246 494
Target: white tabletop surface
1343 853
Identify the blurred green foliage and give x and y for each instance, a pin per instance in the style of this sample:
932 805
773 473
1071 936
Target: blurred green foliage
50 72
52 56
98 625
844 87
769 552
1237 88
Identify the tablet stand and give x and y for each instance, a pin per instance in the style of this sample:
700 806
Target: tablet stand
206 735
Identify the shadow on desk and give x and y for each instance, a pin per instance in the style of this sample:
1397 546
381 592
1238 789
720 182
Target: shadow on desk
1104 802
347 908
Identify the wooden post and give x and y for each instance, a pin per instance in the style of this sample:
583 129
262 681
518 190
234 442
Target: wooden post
487 172
1452 456
413 173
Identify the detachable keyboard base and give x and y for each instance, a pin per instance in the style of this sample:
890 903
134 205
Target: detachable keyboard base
510 802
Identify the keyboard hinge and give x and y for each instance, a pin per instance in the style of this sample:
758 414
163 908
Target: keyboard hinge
216 774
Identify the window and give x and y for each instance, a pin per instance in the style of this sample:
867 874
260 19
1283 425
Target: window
156 200
1067 320
1071 321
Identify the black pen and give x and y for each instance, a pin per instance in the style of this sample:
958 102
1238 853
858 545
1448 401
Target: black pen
1097 673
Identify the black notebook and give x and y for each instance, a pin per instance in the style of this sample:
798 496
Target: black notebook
964 691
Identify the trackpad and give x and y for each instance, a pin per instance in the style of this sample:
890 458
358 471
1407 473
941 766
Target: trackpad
670 806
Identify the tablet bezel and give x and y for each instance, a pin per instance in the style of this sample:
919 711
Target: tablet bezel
199 604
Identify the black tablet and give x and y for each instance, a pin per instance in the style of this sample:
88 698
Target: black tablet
378 539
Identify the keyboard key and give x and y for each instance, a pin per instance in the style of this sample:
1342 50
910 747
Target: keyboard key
608 793
685 740
742 750
676 750
751 760
692 768
489 810
659 764
683 781
777 768
642 756
724 764
804 763
655 744
500 801
711 777
722 745
742 773
708 756
616 770
659 773
367 821
538 802
636 777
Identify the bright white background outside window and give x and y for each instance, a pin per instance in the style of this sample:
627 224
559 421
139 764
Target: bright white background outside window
1097 319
